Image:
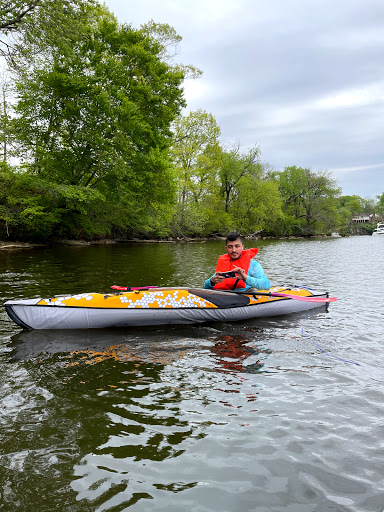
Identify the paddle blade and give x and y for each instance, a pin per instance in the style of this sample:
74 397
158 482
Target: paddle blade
306 299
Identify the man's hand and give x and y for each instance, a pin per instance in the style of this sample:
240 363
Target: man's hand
241 273
217 278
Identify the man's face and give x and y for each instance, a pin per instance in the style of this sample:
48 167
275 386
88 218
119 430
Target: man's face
234 249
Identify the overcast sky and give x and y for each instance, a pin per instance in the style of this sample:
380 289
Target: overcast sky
302 79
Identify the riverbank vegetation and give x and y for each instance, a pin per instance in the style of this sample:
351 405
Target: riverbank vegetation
94 142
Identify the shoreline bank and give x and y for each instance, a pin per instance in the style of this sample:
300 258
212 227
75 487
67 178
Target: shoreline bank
15 245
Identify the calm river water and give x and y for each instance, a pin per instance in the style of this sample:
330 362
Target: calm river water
285 414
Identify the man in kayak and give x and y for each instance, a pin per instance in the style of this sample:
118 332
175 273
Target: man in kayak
237 268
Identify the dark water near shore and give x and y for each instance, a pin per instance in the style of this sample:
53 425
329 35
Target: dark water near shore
284 414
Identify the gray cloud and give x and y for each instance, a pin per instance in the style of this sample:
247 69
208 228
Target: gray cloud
303 80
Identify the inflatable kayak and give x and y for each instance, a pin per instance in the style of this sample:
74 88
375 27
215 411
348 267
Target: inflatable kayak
159 306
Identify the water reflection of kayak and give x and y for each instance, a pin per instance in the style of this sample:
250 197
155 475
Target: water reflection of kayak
159 306
160 345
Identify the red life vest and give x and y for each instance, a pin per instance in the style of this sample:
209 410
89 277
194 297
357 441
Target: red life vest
225 264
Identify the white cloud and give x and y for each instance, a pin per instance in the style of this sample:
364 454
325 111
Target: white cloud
354 40
368 95
194 89
346 170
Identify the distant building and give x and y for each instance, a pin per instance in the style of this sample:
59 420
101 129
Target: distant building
365 218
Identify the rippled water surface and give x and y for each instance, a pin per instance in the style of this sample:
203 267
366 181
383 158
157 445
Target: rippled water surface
284 414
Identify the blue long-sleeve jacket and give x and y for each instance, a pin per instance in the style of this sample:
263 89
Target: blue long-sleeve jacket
256 278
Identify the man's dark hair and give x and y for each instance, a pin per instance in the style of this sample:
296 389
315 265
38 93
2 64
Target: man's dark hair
232 236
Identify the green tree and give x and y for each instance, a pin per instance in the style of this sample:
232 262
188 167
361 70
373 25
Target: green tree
258 206
34 27
380 204
369 205
34 208
13 14
196 157
309 199
101 115
234 167
196 154
4 117
249 194
100 118
169 41
355 204
348 206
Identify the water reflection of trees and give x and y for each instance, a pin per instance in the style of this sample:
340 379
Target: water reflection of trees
112 411
234 351
130 413
144 425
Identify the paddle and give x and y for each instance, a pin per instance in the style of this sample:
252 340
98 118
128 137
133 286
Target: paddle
295 297
246 292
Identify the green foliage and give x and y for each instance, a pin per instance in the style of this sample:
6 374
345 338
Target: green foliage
309 199
100 118
249 193
21 205
348 206
380 204
234 168
95 104
94 117
37 29
369 205
4 118
16 15
188 220
169 42
201 219
218 221
259 205
33 208
196 155
353 203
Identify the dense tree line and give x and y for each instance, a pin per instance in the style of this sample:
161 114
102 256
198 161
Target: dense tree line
94 143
